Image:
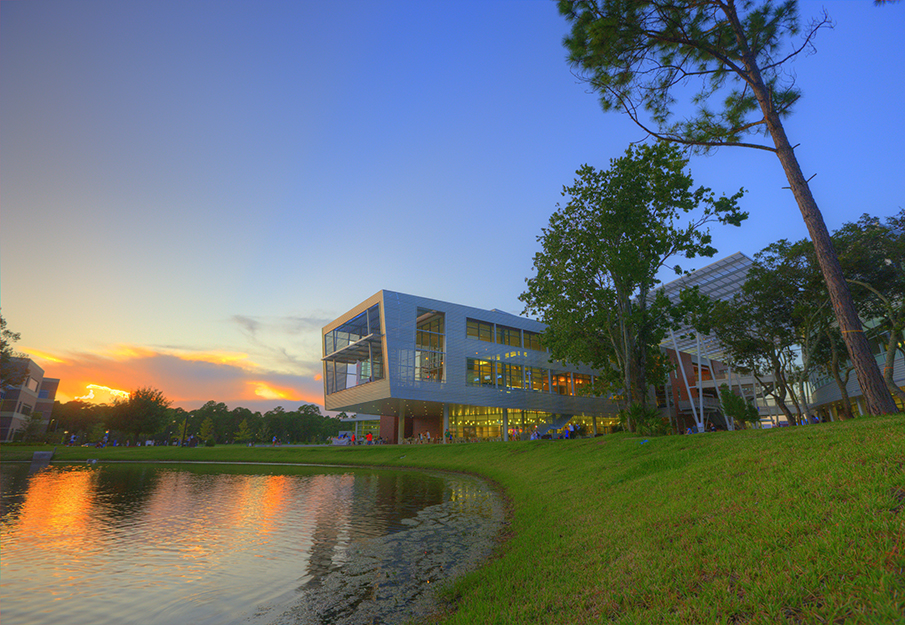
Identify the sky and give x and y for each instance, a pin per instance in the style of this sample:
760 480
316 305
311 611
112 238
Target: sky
190 191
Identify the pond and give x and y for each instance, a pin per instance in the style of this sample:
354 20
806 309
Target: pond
229 544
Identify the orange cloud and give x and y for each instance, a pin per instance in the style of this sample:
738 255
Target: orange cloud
39 355
218 358
105 391
188 378
267 391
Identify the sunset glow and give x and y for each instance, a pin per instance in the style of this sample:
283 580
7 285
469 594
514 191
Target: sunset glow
266 391
103 389
217 358
39 355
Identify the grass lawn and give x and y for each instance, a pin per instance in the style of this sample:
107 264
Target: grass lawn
795 525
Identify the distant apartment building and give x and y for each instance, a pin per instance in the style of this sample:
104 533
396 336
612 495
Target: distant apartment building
35 396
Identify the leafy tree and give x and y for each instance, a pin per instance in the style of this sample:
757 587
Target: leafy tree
596 272
12 373
757 330
644 419
80 417
738 408
873 258
34 427
223 421
145 411
828 357
245 432
640 56
789 271
207 429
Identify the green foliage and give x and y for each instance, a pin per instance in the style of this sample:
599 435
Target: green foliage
145 412
207 429
738 408
645 420
872 253
642 55
787 525
601 252
34 427
646 54
12 372
244 434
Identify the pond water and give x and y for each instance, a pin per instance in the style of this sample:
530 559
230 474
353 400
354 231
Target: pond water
231 544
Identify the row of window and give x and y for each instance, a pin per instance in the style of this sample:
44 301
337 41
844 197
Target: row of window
505 375
503 335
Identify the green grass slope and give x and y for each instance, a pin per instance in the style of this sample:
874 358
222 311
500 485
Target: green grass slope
798 525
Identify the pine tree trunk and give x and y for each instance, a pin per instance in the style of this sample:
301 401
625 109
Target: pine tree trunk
873 388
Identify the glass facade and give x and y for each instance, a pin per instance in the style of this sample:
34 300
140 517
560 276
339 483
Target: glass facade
532 341
479 372
430 340
511 375
480 330
353 352
537 379
562 383
509 336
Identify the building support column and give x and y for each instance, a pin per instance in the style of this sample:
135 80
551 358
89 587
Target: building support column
675 348
505 425
594 422
445 423
400 423
697 337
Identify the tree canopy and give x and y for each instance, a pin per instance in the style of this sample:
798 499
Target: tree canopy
601 252
145 412
727 62
12 373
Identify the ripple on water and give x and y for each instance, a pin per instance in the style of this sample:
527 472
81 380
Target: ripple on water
149 544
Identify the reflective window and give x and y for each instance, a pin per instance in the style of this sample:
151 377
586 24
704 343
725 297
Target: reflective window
354 352
536 379
479 372
508 336
532 341
511 375
429 345
562 384
480 330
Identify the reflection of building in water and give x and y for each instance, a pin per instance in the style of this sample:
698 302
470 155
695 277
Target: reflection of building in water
34 397
424 366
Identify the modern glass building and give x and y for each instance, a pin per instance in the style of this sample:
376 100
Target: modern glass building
427 367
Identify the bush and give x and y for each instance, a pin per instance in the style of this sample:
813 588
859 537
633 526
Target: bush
209 442
644 420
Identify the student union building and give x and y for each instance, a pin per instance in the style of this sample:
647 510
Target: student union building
425 367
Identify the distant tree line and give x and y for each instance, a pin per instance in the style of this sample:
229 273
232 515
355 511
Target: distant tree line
147 415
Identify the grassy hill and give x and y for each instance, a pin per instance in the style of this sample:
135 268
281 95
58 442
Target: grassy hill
796 525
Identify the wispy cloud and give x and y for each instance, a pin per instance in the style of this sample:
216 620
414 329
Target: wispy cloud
247 323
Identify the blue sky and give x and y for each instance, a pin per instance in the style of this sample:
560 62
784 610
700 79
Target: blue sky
189 191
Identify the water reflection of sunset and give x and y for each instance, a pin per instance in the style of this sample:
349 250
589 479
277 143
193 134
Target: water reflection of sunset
158 541
57 512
